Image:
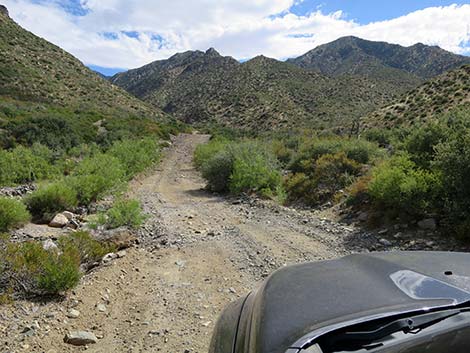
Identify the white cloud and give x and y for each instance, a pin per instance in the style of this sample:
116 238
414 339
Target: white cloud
241 28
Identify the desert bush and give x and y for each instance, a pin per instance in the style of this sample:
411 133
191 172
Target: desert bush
135 155
206 151
12 214
96 176
23 165
56 132
322 178
28 268
358 150
89 249
217 170
245 166
422 141
50 199
400 185
125 213
452 161
255 169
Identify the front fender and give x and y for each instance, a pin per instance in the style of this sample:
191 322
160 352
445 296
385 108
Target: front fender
225 331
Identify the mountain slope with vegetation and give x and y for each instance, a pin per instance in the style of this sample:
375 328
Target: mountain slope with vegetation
262 93
329 87
352 55
442 94
32 69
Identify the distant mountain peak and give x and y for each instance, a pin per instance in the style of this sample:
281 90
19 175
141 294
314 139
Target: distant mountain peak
352 55
212 52
4 10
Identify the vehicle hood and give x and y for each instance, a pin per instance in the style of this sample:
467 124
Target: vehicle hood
297 300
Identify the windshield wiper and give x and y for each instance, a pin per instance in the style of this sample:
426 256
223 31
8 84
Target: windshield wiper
412 324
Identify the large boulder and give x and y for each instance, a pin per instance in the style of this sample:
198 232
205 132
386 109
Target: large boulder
59 221
80 338
121 238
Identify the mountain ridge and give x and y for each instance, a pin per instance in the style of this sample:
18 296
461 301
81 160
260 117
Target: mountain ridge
33 69
198 86
336 58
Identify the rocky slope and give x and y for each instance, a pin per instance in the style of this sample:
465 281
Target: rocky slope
329 87
262 93
32 69
352 55
444 93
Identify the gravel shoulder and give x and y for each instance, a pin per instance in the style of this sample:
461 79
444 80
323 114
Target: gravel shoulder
197 252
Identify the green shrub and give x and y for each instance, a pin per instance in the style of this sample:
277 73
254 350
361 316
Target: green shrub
50 199
217 170
56 132
12 214
23 165
238 167
125 213
452 162
135 155
254 169
31 269
358 150
399 185
206 151
89 250
95 177
422 141
59 273
329 174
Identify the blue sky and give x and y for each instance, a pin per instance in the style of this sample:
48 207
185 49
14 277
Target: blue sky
114 35
366 11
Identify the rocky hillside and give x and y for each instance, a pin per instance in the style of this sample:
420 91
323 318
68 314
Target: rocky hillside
351 55
446 92
32 69
261 93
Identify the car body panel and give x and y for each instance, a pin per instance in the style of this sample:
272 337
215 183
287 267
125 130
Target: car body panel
299 300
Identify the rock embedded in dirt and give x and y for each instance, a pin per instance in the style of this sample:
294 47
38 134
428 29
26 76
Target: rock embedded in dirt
363 217
69 215
49 245
121 254
73 314
385 242
59 221
109 257
80 338
121 237
101 308
428 224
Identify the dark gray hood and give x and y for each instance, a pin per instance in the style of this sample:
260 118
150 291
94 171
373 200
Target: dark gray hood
298 300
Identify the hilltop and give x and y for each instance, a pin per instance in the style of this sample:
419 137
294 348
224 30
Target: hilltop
34 70
329 87
198 86
352 55
442 94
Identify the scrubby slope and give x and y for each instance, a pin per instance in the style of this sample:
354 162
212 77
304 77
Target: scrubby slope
32 69
444 93
262 93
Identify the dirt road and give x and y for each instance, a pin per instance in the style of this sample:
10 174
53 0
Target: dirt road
198 252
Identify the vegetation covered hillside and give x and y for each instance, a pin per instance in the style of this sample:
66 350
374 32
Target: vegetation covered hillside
442 94
352 55
32 69
262 93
